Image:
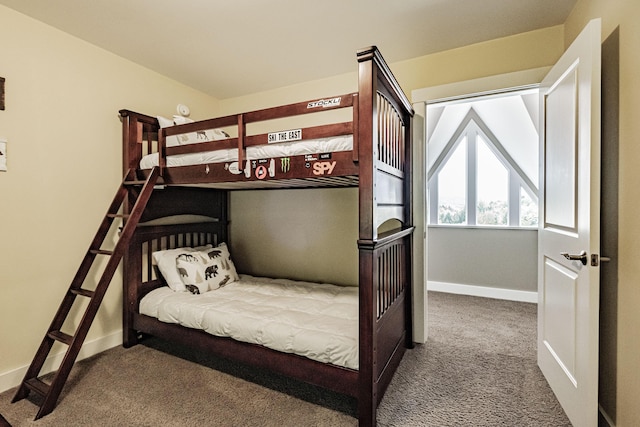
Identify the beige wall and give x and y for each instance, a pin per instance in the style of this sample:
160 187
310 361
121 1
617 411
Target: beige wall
623 14
64 165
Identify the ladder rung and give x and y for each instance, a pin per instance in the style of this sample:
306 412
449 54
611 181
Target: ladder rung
61 336
38 386
82 292
101 252
50 392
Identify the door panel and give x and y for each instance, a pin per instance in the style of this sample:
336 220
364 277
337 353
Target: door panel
560 310
561 118
568 289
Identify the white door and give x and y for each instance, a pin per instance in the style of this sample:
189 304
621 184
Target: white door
569 237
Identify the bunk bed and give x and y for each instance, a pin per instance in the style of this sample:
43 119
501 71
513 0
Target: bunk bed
373 153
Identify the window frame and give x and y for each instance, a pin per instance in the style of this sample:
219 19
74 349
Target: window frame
467 132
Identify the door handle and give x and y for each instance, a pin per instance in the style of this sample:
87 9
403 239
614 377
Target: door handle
582 257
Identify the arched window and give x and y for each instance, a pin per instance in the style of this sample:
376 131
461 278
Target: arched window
483 161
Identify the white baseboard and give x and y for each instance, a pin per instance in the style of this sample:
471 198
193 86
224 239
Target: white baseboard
483 291
13 378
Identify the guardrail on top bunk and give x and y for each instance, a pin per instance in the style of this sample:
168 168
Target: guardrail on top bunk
240 122
152 139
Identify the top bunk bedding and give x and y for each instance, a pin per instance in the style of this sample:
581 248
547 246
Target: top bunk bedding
254 153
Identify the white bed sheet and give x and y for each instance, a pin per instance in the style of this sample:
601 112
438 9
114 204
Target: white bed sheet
318 321
282 149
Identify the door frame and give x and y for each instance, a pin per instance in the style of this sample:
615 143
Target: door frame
421 97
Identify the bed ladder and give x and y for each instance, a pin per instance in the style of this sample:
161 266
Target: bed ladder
131 189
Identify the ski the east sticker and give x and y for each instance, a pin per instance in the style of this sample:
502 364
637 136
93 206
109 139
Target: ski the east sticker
284 136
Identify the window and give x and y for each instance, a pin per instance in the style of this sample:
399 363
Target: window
483 161
452 188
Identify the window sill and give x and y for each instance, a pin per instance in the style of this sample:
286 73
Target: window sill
481 227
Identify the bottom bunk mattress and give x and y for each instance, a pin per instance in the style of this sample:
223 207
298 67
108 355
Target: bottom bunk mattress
317 321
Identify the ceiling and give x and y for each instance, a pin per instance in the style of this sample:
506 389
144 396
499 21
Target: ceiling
230 48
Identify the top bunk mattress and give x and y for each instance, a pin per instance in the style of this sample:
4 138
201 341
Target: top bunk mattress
317 321
256 152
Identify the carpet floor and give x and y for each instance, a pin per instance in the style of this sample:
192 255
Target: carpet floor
478 368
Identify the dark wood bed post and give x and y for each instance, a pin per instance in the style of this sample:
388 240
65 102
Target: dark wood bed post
367 401
373 379
134 128
132 270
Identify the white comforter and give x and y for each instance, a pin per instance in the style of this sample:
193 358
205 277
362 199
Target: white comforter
318 321
267 151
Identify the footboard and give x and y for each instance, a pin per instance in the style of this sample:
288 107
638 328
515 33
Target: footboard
385 314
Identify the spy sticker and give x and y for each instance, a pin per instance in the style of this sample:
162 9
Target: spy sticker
322 168
261 172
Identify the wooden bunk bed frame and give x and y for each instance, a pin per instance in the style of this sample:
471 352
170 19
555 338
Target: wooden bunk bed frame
379 165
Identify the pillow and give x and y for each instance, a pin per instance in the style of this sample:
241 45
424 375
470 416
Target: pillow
206 270
200 136
172 141
217 134
191 137
221 253
192 272
181 120
166 260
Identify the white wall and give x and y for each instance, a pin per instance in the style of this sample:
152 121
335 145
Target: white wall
503 259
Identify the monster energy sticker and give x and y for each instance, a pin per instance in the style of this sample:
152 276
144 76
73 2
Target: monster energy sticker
324 103
285 164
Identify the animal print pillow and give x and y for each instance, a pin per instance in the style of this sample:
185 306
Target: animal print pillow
166 262
221 254
206 270
200 136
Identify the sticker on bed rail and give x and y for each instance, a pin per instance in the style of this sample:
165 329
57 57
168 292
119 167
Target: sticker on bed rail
285 164
324 103
233 168
323 168
261 172
284 136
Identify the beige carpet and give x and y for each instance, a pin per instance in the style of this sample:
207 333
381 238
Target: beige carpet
477 369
